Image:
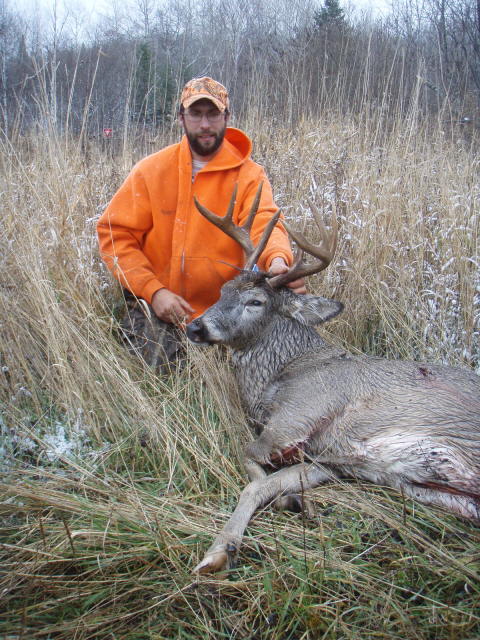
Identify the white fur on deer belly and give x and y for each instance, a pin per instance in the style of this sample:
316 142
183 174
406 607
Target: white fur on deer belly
417 459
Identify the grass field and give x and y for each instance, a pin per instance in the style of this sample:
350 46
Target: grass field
114 480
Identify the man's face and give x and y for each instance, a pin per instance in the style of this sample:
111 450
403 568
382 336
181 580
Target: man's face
204 127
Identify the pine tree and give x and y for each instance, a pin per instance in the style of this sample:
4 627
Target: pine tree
329 14
154 89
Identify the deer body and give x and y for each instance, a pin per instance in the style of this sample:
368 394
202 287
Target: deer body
323 413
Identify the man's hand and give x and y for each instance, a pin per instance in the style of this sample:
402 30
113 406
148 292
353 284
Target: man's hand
278 266
169 307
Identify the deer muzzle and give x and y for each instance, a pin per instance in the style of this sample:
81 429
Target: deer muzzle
197 332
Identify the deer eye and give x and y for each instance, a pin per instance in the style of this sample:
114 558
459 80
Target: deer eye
254 302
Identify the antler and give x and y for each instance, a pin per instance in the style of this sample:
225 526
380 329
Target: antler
241 233
325 251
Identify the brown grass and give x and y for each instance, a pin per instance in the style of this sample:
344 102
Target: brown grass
99 543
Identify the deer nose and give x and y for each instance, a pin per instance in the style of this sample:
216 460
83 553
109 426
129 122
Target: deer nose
196 331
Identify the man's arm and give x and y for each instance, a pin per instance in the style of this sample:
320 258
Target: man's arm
278 245
277 255
120 231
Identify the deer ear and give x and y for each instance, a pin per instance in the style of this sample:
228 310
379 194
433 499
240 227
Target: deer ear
312 310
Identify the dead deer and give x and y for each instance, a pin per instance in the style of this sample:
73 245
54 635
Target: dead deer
325 414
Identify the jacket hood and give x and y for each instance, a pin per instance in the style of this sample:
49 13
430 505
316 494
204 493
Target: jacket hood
240 141
236 148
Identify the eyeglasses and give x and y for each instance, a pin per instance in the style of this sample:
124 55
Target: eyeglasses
198 117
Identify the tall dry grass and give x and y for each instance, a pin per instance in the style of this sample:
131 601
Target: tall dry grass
115 479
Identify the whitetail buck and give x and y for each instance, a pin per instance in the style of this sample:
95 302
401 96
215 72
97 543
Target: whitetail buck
324 413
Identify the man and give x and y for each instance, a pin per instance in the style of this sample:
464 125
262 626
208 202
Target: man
170 259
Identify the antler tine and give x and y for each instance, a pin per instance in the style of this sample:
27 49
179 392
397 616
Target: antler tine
253 209
218 221
226 224
333 239
324 251
252 259
241 234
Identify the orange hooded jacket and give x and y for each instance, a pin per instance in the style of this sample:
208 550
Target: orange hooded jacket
152 236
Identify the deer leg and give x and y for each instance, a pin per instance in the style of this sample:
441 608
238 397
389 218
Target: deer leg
222 553
269 450
298 503
254 470
462 504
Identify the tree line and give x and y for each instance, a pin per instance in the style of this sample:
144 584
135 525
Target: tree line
284 58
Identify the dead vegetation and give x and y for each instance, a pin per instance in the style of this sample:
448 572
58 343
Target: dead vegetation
112 478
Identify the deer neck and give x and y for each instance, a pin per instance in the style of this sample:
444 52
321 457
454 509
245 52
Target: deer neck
258 365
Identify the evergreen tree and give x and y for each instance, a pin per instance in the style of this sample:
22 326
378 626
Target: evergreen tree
154 89
329 14
143 82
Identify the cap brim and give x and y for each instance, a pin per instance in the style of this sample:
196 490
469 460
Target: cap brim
189 101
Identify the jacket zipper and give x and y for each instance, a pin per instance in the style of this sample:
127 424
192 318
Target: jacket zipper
182 261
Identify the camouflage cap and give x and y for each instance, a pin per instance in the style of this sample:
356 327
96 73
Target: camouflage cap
201 88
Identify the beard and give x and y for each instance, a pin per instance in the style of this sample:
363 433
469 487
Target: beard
205 149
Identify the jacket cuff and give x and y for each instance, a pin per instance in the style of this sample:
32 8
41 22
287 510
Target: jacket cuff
149 289
266 263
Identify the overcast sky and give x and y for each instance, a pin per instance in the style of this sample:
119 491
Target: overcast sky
377 6
83 14
93 6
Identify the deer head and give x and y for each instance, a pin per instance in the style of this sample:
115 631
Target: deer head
253 299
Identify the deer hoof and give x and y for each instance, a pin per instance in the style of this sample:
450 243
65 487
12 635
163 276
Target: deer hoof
218 559
212 562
